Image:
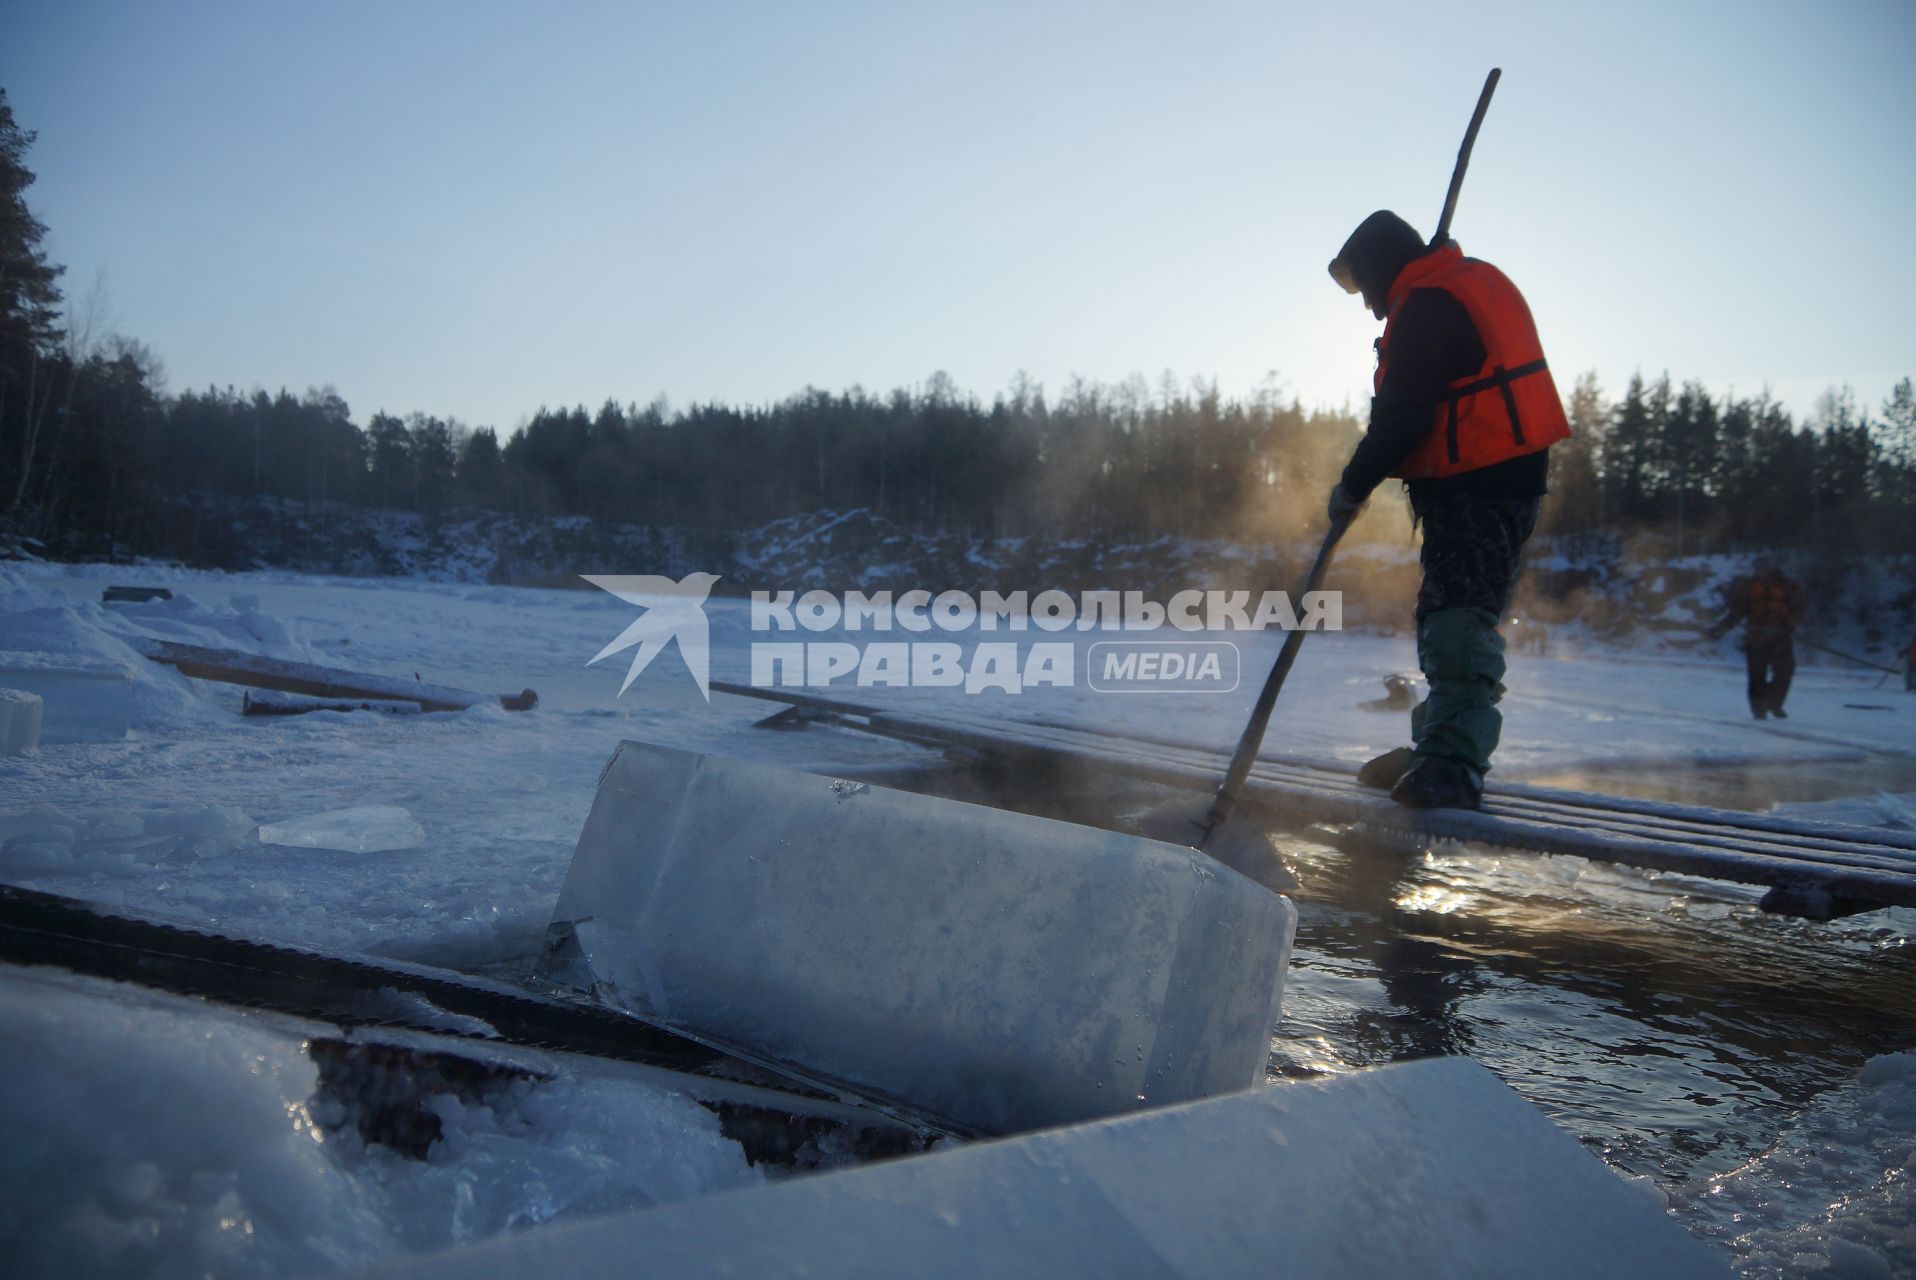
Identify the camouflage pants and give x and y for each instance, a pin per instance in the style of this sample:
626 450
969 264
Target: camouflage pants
1473 548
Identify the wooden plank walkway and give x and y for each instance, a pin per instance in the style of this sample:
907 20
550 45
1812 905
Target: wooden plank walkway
1813 869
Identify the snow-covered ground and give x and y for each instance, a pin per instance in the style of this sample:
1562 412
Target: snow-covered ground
166 821
502 795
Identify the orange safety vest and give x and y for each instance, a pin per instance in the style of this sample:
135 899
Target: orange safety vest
1510 406
1770 601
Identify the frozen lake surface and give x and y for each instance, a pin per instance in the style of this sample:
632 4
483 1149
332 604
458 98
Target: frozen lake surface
1754 1068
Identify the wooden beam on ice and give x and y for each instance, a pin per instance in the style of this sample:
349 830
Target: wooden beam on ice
1815 869
260 672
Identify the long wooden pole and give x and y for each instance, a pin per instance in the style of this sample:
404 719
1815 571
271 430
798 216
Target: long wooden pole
1463 156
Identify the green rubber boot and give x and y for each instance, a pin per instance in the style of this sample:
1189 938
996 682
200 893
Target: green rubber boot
1463 659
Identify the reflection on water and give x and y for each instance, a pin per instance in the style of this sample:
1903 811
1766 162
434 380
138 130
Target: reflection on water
1665 1021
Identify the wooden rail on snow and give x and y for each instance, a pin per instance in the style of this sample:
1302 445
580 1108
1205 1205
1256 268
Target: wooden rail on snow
259 672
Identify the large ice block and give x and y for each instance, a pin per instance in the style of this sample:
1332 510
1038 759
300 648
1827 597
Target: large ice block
84 699
19 721
1004 971
1433 1169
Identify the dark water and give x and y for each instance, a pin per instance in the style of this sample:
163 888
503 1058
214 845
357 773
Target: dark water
1665 1021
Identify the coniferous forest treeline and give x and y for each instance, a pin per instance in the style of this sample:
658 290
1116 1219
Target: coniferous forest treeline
98 459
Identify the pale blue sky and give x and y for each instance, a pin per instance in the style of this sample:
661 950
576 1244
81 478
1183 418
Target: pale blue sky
473 209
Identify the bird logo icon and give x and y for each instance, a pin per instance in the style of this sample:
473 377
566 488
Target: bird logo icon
673 611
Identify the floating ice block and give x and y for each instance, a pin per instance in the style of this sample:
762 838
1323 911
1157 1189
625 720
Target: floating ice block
84 699
19 721
366 828
1004 971
1433 1169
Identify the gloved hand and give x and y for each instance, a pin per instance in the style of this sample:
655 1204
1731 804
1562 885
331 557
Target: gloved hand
1342 506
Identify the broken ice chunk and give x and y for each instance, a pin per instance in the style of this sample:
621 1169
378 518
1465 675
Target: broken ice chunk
391 1005
197 831
1897 810
265 628
83 699
366 828
20 713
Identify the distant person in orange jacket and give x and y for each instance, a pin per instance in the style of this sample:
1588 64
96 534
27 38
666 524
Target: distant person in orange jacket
1770 606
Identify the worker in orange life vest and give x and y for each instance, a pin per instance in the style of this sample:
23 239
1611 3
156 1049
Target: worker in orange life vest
1771 608
1464 412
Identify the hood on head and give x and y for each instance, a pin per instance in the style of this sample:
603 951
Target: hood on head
1381 247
